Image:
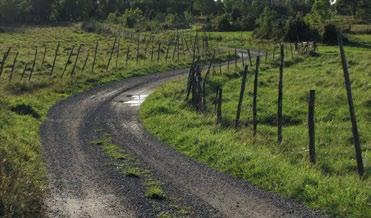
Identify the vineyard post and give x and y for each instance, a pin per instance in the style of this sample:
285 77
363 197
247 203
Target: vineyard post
55 58
280 97
255 110
13 67
242 92
33 65
243 60
311 126
352 113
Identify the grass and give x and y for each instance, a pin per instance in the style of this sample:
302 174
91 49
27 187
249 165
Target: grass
332 185
24 104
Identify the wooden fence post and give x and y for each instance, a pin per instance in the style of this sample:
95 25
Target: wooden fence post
242 92
33 65
13 67
280 97
5 56
95 56
250 59
43 59
127 55
24 71
235 58
158 52
76 59
111 54
68 61
352 113
85 62
219 105
311 126
117 52
55 59
254 107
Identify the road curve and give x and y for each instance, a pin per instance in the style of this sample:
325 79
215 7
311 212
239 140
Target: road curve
83 184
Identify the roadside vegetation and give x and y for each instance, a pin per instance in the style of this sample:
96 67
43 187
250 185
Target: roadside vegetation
332 185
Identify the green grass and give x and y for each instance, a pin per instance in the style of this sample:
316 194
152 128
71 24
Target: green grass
24 104
332 185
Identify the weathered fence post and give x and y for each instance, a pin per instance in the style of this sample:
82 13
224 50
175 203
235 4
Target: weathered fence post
6 54
43 59
95 56
68 61
254 105
158 52
13 67
250 59
85 62
352 113
117 52
24 71
33 65
55 59
219 105
235 58
138 49
76 59
127 55
280 97
311 126
111 54
242 92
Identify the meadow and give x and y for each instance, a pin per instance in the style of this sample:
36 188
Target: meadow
332 185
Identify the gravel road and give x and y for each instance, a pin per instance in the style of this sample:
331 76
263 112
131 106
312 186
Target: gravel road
83 183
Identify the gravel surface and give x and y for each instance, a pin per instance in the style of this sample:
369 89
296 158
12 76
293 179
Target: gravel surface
83 183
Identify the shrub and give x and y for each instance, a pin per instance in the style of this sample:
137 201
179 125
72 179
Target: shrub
298 30
330 35
222 23
132 17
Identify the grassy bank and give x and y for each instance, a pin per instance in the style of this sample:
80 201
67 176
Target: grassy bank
24 104
332 185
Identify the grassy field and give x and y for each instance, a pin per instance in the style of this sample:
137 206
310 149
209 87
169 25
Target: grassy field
332 185
24 104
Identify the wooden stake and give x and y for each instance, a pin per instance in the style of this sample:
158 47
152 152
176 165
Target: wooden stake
13 67
68 61
33 65
311 126
76 59
95 56
5 56
254 105
55 59
242 92
280 98
352 113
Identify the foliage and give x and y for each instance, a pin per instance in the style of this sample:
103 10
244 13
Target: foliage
298 30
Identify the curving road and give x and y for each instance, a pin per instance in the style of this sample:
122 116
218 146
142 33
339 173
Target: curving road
83 183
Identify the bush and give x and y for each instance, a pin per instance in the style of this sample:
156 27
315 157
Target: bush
222 23
330 35
89 26
132 18
298 30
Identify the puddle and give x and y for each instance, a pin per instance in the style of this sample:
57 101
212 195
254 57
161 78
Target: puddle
136 100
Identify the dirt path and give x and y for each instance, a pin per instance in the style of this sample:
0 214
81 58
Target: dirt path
84 184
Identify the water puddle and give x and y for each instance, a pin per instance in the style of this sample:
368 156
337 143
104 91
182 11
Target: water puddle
136 100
